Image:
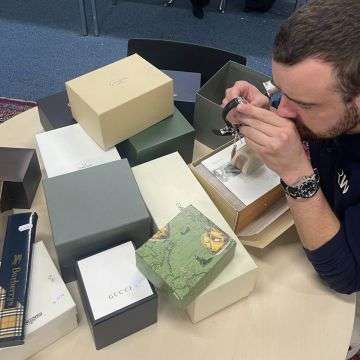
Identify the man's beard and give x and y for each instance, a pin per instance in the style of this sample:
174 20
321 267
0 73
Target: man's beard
349 121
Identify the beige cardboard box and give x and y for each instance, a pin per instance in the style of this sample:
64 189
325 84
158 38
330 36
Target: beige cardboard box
269 208
166 184
51 312
270 233
120 100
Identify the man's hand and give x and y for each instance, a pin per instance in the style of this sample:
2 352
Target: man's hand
276 141
252 95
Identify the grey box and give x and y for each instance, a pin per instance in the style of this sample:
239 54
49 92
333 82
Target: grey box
94 209
208 108
54 111
186 85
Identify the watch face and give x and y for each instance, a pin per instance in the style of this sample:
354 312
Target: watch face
308 188
305 189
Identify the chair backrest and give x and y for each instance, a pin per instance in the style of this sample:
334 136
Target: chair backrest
179 56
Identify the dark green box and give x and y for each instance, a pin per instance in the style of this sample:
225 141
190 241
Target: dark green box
169 135
208 108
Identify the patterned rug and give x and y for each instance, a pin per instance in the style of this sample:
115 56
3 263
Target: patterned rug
12 107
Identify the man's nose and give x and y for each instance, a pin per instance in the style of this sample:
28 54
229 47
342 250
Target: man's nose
286 108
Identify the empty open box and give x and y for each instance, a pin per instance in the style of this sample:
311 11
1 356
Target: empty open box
208 109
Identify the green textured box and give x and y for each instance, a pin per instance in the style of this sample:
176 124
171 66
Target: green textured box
208 109
183 257
169 135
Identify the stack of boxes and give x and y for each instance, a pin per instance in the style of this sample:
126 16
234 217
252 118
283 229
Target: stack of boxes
129 104
50 312
104 214
95 207
179 187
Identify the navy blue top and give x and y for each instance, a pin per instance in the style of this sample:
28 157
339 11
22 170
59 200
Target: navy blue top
338 261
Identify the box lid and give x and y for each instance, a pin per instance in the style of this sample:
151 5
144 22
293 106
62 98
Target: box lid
70 149
225 77
92 201
117 83
165 130
186 255
14 163
186 84
112 281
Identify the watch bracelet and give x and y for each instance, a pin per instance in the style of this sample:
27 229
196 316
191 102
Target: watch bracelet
298 190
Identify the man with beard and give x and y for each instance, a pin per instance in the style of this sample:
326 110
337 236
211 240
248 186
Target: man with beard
316 67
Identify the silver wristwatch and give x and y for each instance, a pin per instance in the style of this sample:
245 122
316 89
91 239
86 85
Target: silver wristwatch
304 188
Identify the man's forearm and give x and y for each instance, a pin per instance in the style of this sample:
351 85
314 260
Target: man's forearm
315 222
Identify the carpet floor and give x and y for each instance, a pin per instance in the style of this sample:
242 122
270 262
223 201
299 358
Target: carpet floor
42 48
12 107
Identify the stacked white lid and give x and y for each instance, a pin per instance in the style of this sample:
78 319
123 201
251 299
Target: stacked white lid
70 149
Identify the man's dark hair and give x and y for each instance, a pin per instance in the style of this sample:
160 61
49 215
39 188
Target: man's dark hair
328 30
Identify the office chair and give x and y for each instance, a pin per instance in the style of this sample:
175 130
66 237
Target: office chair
181 56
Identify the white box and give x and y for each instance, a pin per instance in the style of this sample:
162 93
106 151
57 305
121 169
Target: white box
118 300
69 149
167 183
51 312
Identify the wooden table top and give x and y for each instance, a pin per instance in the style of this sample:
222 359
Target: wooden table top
289 315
